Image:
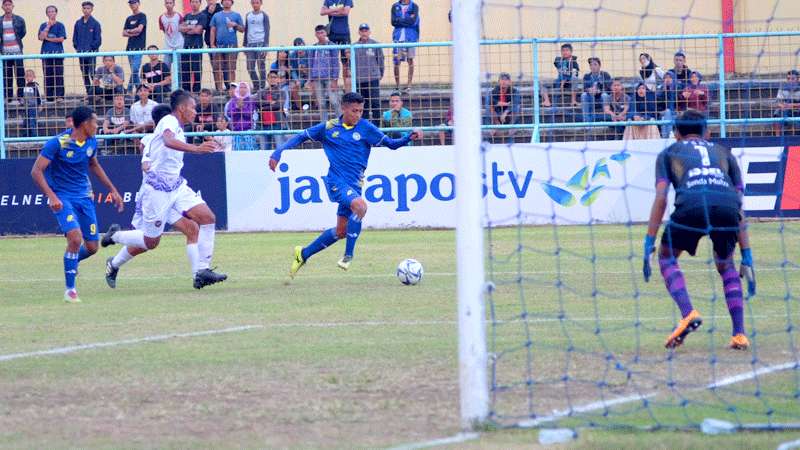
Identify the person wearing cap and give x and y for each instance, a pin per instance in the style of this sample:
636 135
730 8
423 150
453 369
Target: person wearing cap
86 38
504 104
405 20
369 72
14 69
135 29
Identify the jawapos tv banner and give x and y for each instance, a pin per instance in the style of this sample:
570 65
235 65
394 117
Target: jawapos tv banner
568 183
24 209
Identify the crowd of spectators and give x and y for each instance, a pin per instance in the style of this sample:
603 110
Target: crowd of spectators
298 78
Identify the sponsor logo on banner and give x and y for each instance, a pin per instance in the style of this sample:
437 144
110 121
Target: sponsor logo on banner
772 181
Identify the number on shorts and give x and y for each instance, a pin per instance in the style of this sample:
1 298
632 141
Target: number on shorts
93 228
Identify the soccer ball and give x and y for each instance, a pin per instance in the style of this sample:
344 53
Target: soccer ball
410 271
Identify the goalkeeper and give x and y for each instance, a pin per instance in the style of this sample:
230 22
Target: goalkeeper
708 201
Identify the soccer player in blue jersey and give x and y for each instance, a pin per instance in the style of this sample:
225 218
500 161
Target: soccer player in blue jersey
708 201
347 142
62 173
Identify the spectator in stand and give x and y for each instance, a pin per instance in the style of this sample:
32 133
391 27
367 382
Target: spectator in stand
170 24
448 122
505 104
298 61
240 111
192 27
135 29
667 99
617 105
142 111
53 34
369 72
405 20
116 120
157 76
695 94
33 99
324 73
681 70
338 31
596 84
86 38
224 27
13 69
788 101
273 103
225 140
650 73
568 70
211 10
206 114
256 34
282 67
109 80
643 108
397 117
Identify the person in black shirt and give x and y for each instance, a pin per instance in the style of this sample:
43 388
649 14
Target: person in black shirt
210 10
157 76
206 113
193 26
135 29
708 201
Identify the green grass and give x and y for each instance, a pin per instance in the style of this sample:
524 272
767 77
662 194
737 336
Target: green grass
355 359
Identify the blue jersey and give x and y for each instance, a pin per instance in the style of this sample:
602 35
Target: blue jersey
347 148
68 172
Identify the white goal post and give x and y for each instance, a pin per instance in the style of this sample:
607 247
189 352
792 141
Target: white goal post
472 350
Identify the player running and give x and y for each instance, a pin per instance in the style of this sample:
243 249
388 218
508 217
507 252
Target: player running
708 201
165 189
347 142
185 225
61 172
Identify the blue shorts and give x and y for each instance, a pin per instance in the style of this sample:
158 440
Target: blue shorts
343 194
78 213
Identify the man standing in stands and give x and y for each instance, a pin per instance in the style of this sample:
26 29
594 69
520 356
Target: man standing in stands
86 38
369 72
338 31
192 27
405 20
135 29
170 24
13 69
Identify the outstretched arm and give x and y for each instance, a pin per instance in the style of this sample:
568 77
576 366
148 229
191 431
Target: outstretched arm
314 133
394 144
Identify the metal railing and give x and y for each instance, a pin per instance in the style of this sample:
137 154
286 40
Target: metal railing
532 74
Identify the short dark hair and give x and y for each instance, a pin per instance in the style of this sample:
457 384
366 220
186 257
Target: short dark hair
690 122
142 86
596 59
396 94
152 47
51 6
80 115
177 98
206 91
298 41
109 56
319 28
273 72
793 72
159 112
569 46
680 53
351 98
87 4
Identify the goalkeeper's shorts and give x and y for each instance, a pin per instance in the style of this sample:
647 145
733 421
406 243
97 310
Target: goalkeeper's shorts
687 226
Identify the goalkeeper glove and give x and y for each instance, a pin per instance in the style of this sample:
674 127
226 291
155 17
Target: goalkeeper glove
747 271
649 248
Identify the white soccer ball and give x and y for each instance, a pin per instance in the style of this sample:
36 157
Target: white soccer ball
410 271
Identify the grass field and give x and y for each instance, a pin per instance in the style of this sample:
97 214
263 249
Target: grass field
344 360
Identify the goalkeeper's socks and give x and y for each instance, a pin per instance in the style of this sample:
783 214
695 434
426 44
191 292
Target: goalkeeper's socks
70 269
676 284
131 238
83 253
353 231
732 286
325 240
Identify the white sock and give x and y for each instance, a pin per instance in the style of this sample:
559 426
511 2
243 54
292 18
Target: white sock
132 238
206 245
193 252
121 258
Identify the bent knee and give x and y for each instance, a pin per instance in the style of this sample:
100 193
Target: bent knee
151 243
359 207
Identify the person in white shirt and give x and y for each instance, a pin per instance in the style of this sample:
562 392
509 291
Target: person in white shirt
142 111
225 141
170 24
165 189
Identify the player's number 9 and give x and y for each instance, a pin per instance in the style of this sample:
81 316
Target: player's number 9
93 228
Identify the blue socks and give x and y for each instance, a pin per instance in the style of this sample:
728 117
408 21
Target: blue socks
83 253
70 269
325 240
353 230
